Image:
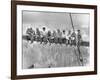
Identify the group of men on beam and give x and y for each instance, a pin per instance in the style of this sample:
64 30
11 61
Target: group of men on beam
44 36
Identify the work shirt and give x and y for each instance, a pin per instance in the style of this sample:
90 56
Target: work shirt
59 34
64 35
44 33
73 36
68 36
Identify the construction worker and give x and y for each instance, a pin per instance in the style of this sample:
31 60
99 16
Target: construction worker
44 35
37 32
68 37
33 37
54 34
30 33
64 37
38 38
49 36
73 38
79 37
59 36
54 37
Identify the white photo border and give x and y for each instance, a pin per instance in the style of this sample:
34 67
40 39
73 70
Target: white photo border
21 71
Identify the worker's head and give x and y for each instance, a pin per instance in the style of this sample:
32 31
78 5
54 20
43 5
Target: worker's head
44 28
78 31
63 31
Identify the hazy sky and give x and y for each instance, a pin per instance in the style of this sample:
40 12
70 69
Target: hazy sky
56 20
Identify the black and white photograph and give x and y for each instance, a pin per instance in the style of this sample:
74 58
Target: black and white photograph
55 39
